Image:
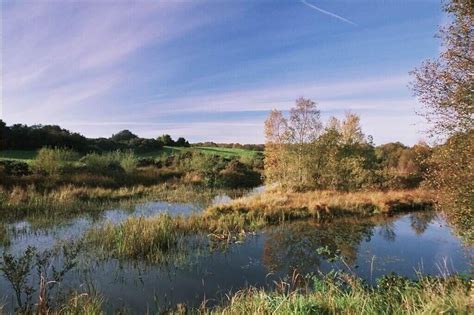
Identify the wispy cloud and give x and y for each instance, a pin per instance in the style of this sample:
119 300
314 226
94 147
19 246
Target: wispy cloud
58 54
280 96
328 13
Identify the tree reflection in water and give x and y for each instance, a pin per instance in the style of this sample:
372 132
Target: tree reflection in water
421 220
294 246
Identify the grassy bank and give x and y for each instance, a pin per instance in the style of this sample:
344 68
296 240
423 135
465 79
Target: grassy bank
274 205
343 294
331 294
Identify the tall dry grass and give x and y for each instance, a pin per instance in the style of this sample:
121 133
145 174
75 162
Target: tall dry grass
275 205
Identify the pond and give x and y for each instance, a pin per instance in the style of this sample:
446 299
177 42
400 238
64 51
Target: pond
406 244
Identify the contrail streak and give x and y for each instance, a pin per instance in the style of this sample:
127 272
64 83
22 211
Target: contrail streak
327 12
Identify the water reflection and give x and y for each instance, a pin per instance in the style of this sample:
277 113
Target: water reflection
370 248
295 246
419 221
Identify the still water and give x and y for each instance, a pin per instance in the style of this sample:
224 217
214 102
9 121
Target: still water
407 244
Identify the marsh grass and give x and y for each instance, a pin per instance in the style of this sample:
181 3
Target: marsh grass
139 238
277 206
149 238
345 294
81 303
164 238
69 200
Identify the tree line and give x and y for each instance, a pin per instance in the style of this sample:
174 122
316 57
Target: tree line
303 153
23 137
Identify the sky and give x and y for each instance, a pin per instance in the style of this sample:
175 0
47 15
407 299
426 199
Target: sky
212 70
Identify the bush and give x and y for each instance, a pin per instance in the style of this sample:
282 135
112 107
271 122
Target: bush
54 161
101 163
15 168
237 174
111 162
128 161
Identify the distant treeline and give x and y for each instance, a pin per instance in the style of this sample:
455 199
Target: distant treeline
23 137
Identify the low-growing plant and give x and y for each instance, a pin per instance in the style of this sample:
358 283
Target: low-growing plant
50 271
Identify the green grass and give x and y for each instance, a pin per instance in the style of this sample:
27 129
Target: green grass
20 155
225 152
346 294
228 152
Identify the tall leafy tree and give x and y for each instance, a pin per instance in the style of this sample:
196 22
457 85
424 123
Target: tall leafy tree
445 85
446 88
351 130
304 128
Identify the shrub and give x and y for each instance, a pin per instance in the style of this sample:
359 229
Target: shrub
128 161
54 161
15 168
144 162
237 174
111 162
101 163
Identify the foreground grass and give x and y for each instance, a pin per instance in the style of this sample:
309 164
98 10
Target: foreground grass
334 293
76 303
343 294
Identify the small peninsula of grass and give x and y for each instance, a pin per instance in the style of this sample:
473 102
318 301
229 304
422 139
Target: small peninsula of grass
275 205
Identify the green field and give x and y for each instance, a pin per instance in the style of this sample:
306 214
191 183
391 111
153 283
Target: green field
17 155
226 152
27 156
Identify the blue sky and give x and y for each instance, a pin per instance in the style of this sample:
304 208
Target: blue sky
212 70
